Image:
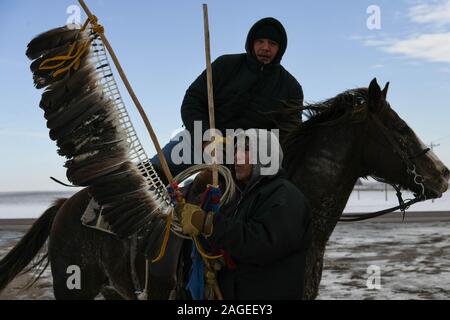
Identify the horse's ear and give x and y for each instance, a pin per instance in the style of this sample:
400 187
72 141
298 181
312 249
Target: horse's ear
385 91
375 96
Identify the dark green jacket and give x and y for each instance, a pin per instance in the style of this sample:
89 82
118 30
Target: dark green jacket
267 234
243 89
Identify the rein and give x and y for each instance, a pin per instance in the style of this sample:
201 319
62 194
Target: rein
411 170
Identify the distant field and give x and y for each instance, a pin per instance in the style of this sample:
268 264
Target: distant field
25 205
413 259
396 217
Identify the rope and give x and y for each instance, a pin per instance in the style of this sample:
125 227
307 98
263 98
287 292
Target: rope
162 251
202 251
96 27
76 57
230 190
230 186
63 59
174 225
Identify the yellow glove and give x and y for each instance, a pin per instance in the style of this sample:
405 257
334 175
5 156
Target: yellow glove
194 220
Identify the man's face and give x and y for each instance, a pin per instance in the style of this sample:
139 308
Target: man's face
265 50
242 166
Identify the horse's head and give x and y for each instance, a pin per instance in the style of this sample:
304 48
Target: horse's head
394 153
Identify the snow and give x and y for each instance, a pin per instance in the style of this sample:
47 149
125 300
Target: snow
370 201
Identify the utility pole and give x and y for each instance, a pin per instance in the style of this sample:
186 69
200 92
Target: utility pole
432 145
385 192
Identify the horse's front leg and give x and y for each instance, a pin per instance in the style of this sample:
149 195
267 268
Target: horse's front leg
313 271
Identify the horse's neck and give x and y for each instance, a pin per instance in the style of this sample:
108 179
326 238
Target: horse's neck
329 170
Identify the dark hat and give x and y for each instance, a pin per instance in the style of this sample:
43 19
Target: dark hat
267 28
268 31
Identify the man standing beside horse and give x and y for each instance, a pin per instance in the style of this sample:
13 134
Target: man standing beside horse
264 232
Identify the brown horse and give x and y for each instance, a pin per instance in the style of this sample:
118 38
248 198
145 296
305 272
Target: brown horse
356 134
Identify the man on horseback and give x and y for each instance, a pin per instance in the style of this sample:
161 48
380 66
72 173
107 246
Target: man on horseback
247 86
264 232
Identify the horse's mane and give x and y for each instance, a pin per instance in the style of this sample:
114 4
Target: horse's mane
335 110
346 107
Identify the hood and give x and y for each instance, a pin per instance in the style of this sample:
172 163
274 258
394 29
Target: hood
263 22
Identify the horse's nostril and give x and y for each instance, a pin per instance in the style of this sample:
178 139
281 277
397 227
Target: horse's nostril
446 173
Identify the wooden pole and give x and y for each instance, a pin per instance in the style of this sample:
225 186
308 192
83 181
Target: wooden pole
130 90
212 123
212 118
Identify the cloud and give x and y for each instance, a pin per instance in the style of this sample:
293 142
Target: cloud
437 13
379 42
361 38
429 47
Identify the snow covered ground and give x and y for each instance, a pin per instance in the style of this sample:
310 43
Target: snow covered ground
413 259
18 205
42 290
370 201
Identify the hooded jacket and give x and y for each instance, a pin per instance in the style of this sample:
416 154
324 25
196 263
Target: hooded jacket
266 231
244 89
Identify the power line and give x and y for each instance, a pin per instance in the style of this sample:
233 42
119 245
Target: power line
442 138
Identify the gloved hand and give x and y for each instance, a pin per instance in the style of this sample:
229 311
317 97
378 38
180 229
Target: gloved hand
194 220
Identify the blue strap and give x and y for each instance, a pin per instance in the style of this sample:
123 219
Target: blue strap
196 284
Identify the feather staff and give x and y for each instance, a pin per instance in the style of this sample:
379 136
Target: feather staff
89 129
96 26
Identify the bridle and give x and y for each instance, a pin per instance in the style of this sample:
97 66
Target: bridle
411 171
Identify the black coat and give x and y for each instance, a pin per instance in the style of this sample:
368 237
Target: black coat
243 89
267 235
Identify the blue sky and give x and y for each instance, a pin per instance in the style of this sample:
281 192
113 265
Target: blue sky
160 44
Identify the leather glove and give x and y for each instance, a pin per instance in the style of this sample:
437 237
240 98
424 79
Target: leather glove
194 220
